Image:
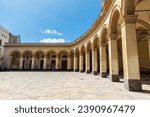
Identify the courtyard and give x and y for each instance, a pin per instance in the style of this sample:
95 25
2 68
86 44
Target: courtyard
64 86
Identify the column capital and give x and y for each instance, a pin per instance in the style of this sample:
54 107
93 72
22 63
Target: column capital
128 19
94 49
103 44
113 37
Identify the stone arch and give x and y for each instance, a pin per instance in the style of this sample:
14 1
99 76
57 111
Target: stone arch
39 60
51 56
15 61
114 25
63 56
104 56
96 55
115 34
128 7
89 57
143 39
27 59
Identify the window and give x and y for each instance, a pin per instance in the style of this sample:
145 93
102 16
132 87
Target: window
0 42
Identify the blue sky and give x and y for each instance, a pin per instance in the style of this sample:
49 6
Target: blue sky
48 20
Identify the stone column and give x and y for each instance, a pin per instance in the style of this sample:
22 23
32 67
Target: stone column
81 62
94 61
113 58
103 61
132 80
33 62
69 63
75 63
44 65
21 63
88 62
57 63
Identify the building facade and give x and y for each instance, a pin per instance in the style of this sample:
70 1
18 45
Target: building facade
117 46
6 37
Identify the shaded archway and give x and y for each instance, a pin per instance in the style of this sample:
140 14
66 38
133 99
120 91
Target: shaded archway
51 56
104 56
15 60
83 59
39 60
63 55
115 47
96 55
89 57
27 60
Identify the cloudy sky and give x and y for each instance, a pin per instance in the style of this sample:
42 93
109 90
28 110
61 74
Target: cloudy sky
48 20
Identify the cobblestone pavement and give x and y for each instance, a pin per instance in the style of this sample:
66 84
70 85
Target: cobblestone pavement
64 86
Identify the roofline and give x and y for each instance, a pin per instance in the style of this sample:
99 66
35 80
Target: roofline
4 29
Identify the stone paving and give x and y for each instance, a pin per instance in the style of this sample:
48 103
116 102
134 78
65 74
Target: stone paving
64 86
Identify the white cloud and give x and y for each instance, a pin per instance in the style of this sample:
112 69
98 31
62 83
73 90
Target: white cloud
52 32
52 40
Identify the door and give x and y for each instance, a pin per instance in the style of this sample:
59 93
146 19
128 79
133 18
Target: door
64 65
41 64
53 65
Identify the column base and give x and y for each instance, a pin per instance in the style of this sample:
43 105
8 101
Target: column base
133 85
104 75
88 72
95 73
81 71
114 78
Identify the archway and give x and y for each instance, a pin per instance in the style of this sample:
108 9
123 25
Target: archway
51 60
63 55
27 60
15 61
39 60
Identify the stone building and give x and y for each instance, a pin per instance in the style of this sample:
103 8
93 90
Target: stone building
6 37
116 46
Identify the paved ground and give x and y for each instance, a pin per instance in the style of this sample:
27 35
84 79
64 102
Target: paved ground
64 85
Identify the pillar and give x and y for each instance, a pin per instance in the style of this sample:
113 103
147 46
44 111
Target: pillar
33 62
44 65
57 63
94 61
81 62
88 62
103 61
75 63
113 58
132 80
21 63
69 63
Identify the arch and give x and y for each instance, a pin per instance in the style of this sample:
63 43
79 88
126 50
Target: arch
27 59
15 61
128 7
50 53
114 20
15 51
96 41
39 52
145 24
103 35
89 46
27 51
62 52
